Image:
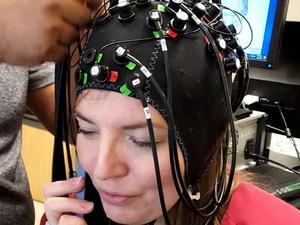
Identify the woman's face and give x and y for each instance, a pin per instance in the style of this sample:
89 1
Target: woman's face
114 148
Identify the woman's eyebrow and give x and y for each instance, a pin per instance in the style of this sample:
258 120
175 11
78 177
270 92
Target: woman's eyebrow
143 125
82 117
138 125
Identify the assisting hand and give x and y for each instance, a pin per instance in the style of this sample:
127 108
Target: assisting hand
34 31
62 210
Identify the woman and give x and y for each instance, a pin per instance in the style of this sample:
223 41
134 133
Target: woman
152 114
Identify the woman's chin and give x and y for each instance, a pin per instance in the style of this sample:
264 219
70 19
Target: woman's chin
123 216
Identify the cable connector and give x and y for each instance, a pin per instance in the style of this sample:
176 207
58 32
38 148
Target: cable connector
194 196
288 132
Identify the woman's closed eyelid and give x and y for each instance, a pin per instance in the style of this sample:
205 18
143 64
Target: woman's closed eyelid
145 142
87 131
142 144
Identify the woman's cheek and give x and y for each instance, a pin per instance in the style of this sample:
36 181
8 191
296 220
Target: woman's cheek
86 153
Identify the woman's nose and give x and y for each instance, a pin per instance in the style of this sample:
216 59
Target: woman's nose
111 162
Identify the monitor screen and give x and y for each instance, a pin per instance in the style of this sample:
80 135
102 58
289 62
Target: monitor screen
266 18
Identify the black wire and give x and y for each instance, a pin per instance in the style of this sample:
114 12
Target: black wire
100 8
249 25
218 192
68 122
166 62
78 43
228 105
181 189
236 13
120 42
290 138
223 171
228 111
275 128
58 171
191 32
175 167
208 220
63 108
61 127
255 156
172 142
106 10
295 146
171 133
67 143
77 47
126 41
281 114
65 111
225 33
167 72
169 81
191 204
287 130
86 34
155 158
230 117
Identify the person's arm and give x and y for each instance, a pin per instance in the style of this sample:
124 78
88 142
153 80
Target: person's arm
41 103
41 94
34 31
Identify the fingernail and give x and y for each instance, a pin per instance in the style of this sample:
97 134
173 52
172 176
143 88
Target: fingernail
79 180
76 180
88 205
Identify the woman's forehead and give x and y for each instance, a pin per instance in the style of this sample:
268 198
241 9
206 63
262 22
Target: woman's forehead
100 103
93 99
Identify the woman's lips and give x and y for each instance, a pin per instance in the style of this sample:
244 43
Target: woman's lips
115 198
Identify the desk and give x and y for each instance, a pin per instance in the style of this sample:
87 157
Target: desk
276 179
282 150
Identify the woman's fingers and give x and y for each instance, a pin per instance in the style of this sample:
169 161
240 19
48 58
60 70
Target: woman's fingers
62 210
63 188
71 220
58 207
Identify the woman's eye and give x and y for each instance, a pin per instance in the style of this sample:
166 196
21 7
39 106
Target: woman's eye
85 132
141 144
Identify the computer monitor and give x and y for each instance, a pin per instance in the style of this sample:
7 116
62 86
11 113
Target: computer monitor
267 19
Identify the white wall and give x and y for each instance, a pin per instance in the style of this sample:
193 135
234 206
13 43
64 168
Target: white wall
293 13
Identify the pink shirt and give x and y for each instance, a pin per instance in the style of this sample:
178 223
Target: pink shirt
250 205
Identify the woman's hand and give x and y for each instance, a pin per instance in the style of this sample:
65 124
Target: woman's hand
61 210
